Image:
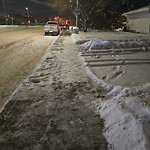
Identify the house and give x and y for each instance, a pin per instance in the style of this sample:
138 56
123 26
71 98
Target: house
138 20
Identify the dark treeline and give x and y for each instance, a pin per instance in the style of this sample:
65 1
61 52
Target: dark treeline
97 13
100 13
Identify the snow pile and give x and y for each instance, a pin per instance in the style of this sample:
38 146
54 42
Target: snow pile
122 130
125 116
93 44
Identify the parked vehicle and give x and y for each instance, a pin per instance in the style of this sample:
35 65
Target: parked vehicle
51 28
64 27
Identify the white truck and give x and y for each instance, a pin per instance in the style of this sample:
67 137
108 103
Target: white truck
51 28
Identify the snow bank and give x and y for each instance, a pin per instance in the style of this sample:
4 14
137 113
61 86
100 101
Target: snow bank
122 130
101 82
124 117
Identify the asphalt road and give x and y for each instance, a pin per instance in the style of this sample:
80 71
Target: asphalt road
20 50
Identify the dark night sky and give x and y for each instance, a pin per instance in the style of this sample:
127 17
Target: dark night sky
36 7
40 7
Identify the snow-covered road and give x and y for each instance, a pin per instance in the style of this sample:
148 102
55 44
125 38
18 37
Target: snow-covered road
20 51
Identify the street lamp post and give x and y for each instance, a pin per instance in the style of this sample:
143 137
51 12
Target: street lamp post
27 12
28 16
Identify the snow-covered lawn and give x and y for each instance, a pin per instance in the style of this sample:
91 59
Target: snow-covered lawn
125 110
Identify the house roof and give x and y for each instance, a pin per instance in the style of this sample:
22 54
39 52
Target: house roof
146 8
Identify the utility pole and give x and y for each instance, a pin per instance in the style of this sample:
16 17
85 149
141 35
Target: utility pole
12 21
76 13
4 8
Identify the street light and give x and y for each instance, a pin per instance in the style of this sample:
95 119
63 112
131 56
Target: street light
27 12
28 16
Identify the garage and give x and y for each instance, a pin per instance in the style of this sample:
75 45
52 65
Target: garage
138 20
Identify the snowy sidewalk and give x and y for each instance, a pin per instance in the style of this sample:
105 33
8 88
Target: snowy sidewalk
51 109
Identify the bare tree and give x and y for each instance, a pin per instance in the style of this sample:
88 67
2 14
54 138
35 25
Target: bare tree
101 13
